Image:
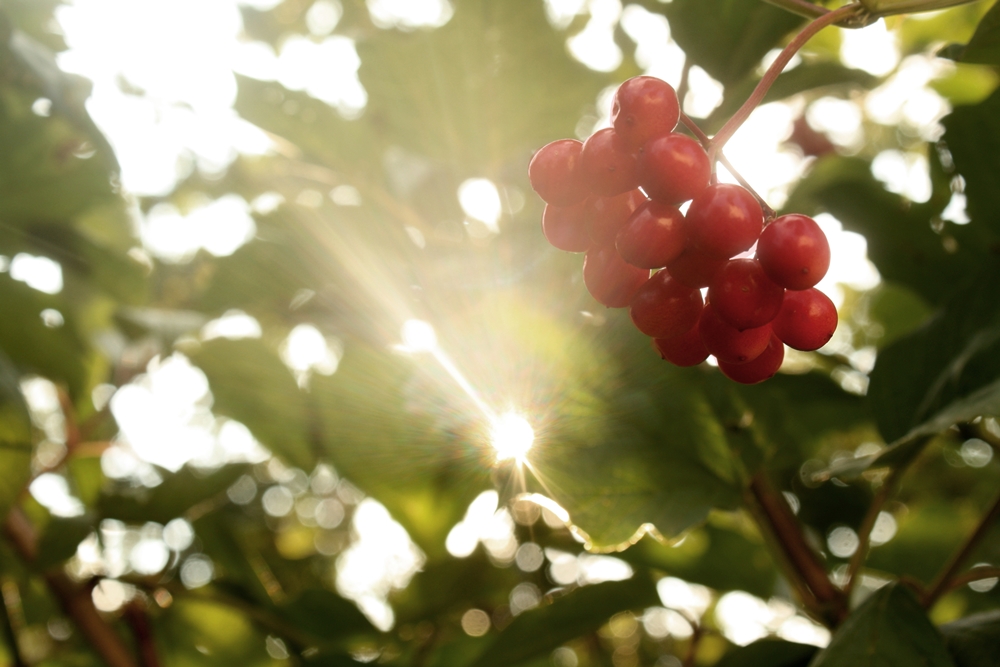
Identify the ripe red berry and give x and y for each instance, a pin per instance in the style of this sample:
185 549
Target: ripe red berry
609 279
609 168
728 343
605 216
565 227
759 369
673 168
794 251
653 237
644 108
694 269
743 295
663 308
807 320
724 220
555 173
685 350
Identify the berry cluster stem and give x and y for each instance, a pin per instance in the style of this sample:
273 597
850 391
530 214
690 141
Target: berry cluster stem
769 213
772 73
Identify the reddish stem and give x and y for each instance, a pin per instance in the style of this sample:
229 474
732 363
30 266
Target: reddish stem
707 143
775 70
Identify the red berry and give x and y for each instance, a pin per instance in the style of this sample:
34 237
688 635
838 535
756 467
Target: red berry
807 320
609 279
653 237
609 168
728 343
555 174
724 220
694 269
607 215
644 108
685 350
794 251
759 369
663 308
743 295
673 168
565 227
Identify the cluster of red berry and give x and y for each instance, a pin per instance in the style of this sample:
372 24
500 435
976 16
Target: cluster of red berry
597 203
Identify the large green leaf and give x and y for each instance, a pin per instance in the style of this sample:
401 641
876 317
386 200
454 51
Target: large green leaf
727 38
974 641
476 95
972 134
769 653
984 47
889 630
252 385
944 372
538 631
396 433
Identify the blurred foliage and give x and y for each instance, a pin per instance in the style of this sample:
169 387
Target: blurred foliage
652 464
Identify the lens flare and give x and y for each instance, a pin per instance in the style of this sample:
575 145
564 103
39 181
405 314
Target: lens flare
511 436
419 336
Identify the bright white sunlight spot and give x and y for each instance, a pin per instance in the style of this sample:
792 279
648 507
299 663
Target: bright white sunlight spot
512 436
419 336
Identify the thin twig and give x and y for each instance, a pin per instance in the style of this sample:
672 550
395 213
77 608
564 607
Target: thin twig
138 619
804 560
692 652
975 574
9 610
865 530
942 582
700 135
772 73
75 600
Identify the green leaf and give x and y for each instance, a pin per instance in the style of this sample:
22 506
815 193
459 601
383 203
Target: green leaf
476 95
972 134
727 38
55 353
769 653
390 428
252 385
15 437
889 630
325 614
538 631
628 439
974 641
984 47
61 538
179 492
944 372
